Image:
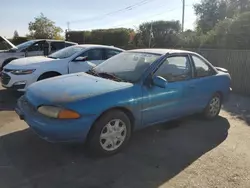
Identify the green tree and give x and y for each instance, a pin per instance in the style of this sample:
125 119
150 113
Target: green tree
235 7
42 27
231 33
163 34
189 39
209 13
16 35
238 33
118 37
217 37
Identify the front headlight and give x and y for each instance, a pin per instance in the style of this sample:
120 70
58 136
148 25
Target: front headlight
22 72
58 112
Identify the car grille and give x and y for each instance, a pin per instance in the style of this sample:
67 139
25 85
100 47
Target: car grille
5 79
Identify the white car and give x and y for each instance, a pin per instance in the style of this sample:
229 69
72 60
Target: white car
20 73
28 49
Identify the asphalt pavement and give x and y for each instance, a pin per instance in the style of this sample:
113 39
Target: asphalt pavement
190 152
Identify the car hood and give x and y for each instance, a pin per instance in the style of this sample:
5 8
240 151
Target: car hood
28 61
9 44
69 88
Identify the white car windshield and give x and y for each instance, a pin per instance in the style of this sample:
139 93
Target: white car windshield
66 52
128 66
25 45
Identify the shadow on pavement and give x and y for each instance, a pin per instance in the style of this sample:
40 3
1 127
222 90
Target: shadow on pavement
154 156
239 107
8 99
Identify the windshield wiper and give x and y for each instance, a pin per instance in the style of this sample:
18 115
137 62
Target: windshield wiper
92 72
111 76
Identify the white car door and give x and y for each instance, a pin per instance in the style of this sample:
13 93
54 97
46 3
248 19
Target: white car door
87 60
35 49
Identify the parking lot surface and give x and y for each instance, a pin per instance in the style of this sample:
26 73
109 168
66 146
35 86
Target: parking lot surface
185 153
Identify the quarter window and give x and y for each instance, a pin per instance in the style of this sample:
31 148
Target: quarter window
202 69
175 69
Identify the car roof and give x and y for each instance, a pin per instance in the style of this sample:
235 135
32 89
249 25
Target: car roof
51 40
160 51
99 45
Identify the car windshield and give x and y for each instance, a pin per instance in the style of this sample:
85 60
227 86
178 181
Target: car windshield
66 52
128 66
24 45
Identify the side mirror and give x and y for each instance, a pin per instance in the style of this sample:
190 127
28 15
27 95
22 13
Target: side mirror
159 81
85 58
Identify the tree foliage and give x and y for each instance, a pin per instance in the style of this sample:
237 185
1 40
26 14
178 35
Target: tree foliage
228 30
44 28
164 34
16 35
209 13
238 33
231 33
118 37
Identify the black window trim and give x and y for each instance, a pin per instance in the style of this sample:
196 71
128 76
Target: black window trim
212 69
177 55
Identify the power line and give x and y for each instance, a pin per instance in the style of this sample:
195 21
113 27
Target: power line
128 8
169 10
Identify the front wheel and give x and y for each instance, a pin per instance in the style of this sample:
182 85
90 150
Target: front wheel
213 108
47 75
110 134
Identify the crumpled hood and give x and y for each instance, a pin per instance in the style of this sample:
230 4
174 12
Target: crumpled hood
28 61
70 88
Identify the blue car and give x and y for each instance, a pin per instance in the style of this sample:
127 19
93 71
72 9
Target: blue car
130 91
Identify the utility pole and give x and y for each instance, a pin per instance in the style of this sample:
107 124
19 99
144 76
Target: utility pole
183 15
150 35
68 23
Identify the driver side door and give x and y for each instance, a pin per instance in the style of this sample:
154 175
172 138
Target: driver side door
162 104
93 58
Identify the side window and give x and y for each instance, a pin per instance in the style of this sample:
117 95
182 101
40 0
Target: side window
110 53
202 69
94 54
38 46
175 68
57 46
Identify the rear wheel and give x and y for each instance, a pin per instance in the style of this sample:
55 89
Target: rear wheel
110 134
213 108
48 75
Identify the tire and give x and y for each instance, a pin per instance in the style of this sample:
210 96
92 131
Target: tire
110 134
5 63
48 75
213 107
